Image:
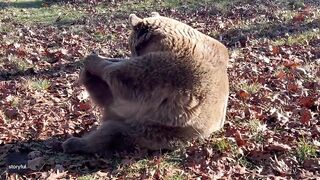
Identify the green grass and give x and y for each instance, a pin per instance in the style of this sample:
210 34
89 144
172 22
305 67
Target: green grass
15 101
192 4
18 64
39 85
87 177
299 39
286 15
178 175
222 145
32 12
255 126
54 14
256 130
167 165
5 27
152 5
296 4
250 88
305 150
101 37
24 3
22 65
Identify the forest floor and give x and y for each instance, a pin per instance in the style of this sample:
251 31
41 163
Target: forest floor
273 120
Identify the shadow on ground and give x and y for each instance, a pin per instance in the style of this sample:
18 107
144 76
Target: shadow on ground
35 157
271 31
38 156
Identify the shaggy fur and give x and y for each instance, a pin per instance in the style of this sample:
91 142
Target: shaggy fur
174 88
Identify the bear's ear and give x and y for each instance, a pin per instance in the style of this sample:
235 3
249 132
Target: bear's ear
134 20
155 14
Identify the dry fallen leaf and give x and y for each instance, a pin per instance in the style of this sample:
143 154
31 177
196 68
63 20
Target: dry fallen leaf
239 140
299 17
11 113
280 147
312 164
290 63
281 75
243 94
280 166
276 67
305 116
83 106
58 175
306 102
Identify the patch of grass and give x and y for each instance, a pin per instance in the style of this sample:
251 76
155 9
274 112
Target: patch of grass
256 130
15 101
5 27
138 166
296 4
222 145
87 177
226 145
250 88
167 166
137 6
286 15
24 3
192 4
305 150
45 15
101 37
40 84
291 4
22 65
299 39
255 126
131 6
151 5
77 29
220 5
18 64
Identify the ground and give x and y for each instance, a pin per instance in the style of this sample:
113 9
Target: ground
273 121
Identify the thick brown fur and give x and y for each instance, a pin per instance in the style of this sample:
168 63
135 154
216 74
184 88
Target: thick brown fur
174 88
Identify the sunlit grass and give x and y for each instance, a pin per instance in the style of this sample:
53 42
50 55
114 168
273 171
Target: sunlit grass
167 166
251 88
298 39
40 84
15 101
30 12
88 177
256 130
23 3
151 5
305 150
222 145
22 65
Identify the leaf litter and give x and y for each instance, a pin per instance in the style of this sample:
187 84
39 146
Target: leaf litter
273 120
